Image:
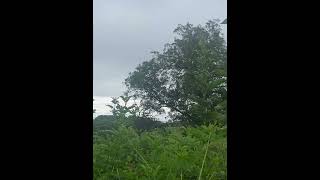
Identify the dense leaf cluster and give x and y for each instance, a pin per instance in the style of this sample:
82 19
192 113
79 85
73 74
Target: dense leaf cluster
188 77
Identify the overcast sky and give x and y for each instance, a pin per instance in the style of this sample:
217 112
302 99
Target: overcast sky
126 31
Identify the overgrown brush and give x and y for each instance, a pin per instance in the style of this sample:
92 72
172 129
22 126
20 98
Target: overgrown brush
166 153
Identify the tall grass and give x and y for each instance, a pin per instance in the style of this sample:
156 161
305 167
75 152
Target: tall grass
169 153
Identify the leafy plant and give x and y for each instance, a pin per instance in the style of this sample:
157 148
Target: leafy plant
169 153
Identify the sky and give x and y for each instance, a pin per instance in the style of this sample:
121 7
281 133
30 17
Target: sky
126 31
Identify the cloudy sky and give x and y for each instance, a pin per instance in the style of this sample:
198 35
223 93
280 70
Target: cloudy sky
126 31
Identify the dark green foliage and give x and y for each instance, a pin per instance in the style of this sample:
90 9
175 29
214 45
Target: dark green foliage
145 123
224 21
188 77
104 122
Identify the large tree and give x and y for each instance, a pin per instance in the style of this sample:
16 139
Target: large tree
188 77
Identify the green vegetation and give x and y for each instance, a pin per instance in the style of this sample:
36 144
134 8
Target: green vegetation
189 79
170 153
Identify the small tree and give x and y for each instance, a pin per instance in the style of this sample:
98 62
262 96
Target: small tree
131 115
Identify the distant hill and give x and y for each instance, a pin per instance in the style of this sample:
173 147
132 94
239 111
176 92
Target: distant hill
103 122
108 122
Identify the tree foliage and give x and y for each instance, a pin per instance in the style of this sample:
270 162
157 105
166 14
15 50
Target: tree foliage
188 77
132 115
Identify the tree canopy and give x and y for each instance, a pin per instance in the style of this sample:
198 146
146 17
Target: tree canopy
188 77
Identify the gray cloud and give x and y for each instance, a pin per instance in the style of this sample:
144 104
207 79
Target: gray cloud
125 32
